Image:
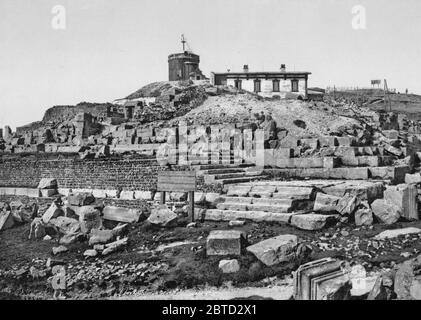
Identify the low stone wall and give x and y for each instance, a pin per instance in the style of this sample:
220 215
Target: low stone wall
91 174
131 174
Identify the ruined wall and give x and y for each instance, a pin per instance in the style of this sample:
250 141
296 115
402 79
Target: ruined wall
61 113
132 174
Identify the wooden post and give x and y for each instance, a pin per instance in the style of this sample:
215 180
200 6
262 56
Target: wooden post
191 200
162 197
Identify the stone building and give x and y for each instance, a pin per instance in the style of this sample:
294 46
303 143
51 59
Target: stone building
185 65
282 83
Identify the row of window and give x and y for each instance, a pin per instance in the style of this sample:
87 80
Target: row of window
275 85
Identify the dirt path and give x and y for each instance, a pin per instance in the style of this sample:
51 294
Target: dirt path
283 292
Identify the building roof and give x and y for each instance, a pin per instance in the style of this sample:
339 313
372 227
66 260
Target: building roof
280 73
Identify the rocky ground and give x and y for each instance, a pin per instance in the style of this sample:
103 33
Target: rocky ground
167 261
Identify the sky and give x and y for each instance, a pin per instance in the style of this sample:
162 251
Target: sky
110 48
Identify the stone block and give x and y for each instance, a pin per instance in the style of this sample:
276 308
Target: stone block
89 218
413 178
122 214
326 203
405 197
47 183
225 242
80 198
142 195
229 266
328 141
126 195
345 141
331 162
275 250
387 212
310 143
311 221
46 193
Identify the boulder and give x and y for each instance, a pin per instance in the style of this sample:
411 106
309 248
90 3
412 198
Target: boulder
311 221
225 242
66 225
236 223
52 212
326 202
90 253
408 280
163 217
59 249
275 250
80 199
229 266
47 183
89 218
387 212
100 236
363 217
6 220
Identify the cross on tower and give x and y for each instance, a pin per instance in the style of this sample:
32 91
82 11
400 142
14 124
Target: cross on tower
183 41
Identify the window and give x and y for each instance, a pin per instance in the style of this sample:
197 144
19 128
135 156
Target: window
275 86
294 85
237 84
257 86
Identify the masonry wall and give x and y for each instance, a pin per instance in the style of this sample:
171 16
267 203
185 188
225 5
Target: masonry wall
131 174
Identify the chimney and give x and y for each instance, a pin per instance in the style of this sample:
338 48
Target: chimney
283 68
246 68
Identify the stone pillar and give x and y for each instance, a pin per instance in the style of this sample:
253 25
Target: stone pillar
182 143
215 144
248 146
128 112
259 143
238 146
226 144
7 134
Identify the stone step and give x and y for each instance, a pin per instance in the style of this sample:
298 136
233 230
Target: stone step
364 161
354 173
257 216
299 193
223 171
251 200
241 180
230 175
222 166
284 208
